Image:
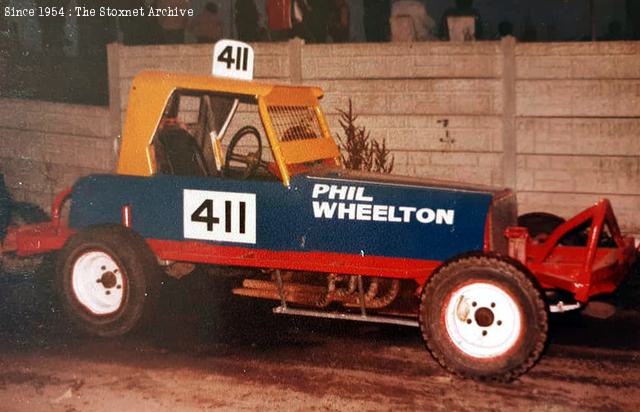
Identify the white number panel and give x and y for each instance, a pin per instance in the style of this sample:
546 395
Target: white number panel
233 59
219 216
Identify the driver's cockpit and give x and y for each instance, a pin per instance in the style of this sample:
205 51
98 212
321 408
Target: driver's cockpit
190 137
197 125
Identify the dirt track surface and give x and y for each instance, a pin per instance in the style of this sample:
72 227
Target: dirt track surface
234 355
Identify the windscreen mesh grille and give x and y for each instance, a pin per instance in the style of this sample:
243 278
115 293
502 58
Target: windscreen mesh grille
292 123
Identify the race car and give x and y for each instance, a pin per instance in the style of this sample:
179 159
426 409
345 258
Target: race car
446 257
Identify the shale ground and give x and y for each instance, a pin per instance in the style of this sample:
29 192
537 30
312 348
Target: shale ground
208 350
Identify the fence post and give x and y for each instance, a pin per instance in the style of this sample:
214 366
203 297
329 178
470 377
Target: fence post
295 60
115 114
509 148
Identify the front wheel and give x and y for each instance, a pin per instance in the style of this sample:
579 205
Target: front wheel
482 317
106 277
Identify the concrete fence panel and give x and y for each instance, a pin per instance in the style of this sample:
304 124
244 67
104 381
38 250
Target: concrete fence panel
578 127
45 147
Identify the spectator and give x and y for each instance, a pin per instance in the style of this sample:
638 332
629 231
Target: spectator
288 18
300 19
247 20
52 27
614 32
530 32
95 32
376 20
317 21
339 21
173 26
505 28
279 19
463 8
207 27
422 25
27 31
633 18
136 30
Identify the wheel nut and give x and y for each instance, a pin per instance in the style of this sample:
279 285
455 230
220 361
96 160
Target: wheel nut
484 333
493 305
469 321
103 268
474 304
108 292
119 287
499 322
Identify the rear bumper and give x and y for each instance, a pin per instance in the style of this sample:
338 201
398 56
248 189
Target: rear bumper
35 239
28 240
584 271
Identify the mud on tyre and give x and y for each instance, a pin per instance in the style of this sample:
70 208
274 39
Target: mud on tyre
482 317
107 279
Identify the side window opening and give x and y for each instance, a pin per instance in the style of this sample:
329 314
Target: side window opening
183 143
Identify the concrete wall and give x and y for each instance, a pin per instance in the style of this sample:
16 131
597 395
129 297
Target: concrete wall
44 147
578 127
407 93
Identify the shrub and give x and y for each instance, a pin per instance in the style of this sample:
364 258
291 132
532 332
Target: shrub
359 150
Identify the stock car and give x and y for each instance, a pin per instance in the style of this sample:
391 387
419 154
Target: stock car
448 258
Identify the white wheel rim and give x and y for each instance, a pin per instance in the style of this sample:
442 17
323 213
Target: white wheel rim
98 283
483 320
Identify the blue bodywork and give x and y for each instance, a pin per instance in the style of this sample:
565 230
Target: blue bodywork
285 219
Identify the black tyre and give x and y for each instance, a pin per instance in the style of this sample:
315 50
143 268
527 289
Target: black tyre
27 213
482 317
107 279
540 224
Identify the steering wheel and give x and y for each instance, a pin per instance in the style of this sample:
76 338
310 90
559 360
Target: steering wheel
252 161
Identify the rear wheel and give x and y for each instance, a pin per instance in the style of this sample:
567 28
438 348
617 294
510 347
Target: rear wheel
482 317
107 278
540 225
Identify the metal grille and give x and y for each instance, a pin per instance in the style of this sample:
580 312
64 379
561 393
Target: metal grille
293 123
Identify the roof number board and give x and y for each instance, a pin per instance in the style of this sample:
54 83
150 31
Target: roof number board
233 59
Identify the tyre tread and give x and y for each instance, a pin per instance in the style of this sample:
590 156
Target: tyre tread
113 237
523 278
